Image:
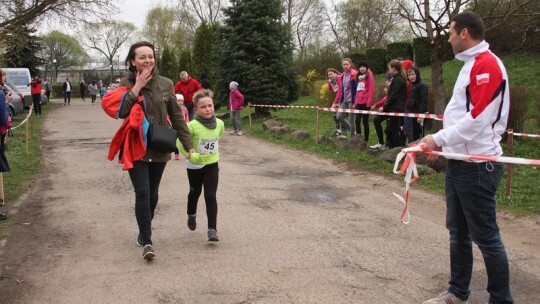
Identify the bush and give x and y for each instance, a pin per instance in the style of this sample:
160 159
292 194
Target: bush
518 109
377 60
307 82
422 51
324 98
399 49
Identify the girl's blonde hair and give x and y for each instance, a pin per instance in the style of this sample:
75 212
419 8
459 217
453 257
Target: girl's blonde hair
396 64
201 94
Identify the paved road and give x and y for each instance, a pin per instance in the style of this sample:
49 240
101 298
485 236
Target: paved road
294 228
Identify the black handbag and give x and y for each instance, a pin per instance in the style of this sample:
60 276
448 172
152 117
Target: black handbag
161 138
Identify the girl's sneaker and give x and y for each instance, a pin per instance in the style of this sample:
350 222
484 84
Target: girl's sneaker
148 252
239 133
212 235
233 132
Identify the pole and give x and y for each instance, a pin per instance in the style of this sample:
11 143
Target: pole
510 152
317 127
2 201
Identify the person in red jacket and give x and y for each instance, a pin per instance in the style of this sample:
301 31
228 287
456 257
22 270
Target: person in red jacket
35 90
187 86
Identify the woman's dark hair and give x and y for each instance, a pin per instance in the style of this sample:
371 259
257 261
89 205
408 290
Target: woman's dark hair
2 73
131 54
472 21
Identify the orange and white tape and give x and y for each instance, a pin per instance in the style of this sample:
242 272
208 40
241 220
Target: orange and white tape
411 172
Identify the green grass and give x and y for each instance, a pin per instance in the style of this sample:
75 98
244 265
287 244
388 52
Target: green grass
24 166
525 197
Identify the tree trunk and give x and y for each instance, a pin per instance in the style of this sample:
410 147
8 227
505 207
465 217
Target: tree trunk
437 86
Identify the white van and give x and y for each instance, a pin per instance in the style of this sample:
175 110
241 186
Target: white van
20 78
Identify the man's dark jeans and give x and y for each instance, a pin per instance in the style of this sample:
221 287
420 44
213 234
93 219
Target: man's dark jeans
67 97
146 178
471 217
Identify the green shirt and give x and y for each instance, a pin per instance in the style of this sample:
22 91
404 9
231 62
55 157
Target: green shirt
205 143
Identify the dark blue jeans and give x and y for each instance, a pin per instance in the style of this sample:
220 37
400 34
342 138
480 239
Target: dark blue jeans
146 178
471 217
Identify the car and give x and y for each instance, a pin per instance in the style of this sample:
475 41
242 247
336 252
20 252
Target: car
16 106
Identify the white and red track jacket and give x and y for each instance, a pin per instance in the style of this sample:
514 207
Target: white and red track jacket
477 114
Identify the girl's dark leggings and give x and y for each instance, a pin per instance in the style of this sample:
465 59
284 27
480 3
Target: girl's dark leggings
145 178
364 118
208 177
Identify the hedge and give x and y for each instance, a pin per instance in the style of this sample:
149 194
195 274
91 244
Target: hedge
422 51
399 49
377 60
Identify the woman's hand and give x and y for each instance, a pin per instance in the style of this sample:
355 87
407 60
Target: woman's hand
142 80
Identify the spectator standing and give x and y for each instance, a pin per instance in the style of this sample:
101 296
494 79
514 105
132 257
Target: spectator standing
333 87
93 89
365 90
180 101
378 120
187 86
417 103
48 89
395 102
205 82
474 121
5 124
35 90
346 94
236 104
82 88
66 90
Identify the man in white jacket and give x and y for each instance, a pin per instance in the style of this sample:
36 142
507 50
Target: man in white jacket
474 120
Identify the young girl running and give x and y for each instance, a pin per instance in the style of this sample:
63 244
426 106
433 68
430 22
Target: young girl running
202 165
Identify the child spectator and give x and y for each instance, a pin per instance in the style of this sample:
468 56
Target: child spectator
418 102
377 121
236 104
333 87
92 89
365 90
202 165
180 101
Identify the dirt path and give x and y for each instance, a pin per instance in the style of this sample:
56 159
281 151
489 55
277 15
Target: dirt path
294 229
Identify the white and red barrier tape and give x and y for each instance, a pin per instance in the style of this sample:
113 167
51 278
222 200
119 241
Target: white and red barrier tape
25 119
526 135
411 172
415 115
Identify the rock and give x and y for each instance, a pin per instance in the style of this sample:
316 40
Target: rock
299 134
271 123
280 130
391 154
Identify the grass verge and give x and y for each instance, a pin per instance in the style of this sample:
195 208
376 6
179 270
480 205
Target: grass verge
25 165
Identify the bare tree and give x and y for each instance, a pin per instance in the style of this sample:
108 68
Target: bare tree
192 12
107 38
305 18
431 19
359 25
72 10
162 29
369 23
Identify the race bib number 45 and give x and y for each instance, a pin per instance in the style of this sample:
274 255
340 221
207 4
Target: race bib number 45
208 145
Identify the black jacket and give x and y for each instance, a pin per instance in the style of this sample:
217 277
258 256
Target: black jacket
396 95
418 96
